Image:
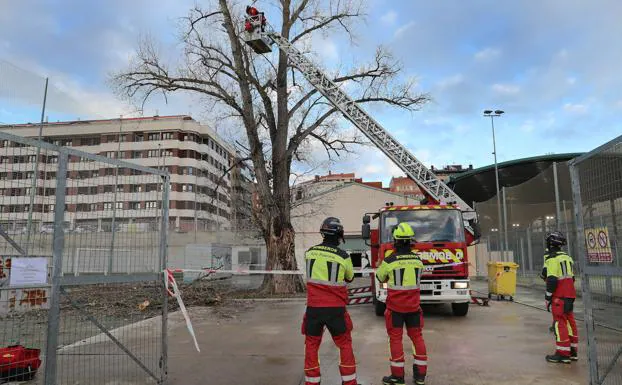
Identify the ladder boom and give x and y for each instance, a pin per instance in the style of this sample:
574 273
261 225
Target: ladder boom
380 137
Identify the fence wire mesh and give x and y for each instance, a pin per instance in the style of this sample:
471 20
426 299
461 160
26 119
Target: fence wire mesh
83 249
597 190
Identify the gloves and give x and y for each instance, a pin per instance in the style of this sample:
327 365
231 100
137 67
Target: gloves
547 302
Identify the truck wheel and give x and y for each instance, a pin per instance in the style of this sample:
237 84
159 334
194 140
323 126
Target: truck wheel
460 309
379 307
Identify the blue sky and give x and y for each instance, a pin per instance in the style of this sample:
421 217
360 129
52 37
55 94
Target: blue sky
553 66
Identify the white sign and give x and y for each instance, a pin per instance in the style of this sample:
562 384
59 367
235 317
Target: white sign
28 271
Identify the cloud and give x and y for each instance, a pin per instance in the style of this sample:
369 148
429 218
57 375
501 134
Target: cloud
487 54
506 89
389 18
451 81
401 31
573 108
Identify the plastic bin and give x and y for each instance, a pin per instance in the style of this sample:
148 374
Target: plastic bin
502 279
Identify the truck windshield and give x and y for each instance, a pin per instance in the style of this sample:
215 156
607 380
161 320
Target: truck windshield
429 225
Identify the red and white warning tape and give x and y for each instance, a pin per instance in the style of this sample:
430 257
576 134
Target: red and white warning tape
358 290
241 271
173 291
360 300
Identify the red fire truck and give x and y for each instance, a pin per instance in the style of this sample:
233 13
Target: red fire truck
441 243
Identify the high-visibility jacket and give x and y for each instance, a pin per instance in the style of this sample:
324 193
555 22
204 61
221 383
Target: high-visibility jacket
559 275
328 270
402 273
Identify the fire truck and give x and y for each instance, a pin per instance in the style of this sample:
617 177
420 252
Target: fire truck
444 224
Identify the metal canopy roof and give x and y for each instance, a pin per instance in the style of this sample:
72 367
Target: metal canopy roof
478 185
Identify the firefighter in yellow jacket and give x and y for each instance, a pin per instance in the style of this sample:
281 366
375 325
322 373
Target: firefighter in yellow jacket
402 271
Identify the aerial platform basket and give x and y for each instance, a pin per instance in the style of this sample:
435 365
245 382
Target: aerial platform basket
255 35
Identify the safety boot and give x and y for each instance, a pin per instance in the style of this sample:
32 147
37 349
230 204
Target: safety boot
573 354
392 380
419 379
558 359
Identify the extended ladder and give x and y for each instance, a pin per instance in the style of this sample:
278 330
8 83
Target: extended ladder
260 41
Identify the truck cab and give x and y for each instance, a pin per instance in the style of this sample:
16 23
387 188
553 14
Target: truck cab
440 243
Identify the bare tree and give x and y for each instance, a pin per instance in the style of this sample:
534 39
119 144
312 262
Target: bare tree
281 114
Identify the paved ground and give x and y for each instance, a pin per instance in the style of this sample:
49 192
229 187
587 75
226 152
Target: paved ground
261 344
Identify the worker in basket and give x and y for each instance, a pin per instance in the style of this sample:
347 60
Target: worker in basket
559 298
254 14
402 271
328 269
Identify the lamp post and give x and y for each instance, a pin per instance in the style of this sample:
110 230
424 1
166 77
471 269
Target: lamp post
502 235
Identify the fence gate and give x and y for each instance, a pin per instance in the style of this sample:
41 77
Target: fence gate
597 194
83 246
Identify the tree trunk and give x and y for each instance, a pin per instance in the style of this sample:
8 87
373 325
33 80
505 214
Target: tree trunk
281 256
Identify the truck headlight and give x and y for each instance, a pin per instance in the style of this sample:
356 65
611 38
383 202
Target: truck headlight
459 285
385 285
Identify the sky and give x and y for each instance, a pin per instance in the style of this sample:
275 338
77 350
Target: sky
553 66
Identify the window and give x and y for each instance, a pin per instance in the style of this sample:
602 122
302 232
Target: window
152 187
94 173
186 187
167 135
109 154
138 138
154 136
119 188
111 138
135 188
121 154
152 154
52 159
108 188
107 205
151 205
119 205
90 141
167 153
134 206
137 154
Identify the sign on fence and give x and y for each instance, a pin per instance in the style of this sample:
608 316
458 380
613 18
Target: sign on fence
598 247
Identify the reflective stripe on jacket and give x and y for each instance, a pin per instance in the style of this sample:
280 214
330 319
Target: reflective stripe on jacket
328 269
402 272
559 276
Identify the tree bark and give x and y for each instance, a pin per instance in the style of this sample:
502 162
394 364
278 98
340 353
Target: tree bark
281 256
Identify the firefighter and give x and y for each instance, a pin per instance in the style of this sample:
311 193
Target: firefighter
402 271
559 298
328 269
253 13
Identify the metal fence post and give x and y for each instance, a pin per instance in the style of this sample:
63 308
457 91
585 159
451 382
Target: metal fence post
163 266
505 227
557 208
529 249
57 265
585 284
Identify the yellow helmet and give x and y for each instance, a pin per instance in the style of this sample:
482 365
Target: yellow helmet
403 231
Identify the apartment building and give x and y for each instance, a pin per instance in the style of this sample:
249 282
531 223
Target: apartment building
197 159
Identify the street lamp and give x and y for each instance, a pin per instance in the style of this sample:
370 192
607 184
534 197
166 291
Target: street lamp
492 114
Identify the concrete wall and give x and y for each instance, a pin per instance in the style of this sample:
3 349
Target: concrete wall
348 203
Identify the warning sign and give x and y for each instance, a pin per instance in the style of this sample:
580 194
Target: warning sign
598 247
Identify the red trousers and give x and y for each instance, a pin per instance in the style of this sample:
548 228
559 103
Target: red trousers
339 324
566 335
395 323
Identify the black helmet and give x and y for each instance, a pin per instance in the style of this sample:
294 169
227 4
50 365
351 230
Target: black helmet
332 227
555 239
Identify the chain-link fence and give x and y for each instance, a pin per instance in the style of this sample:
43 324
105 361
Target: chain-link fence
597 191
82 298
528 210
